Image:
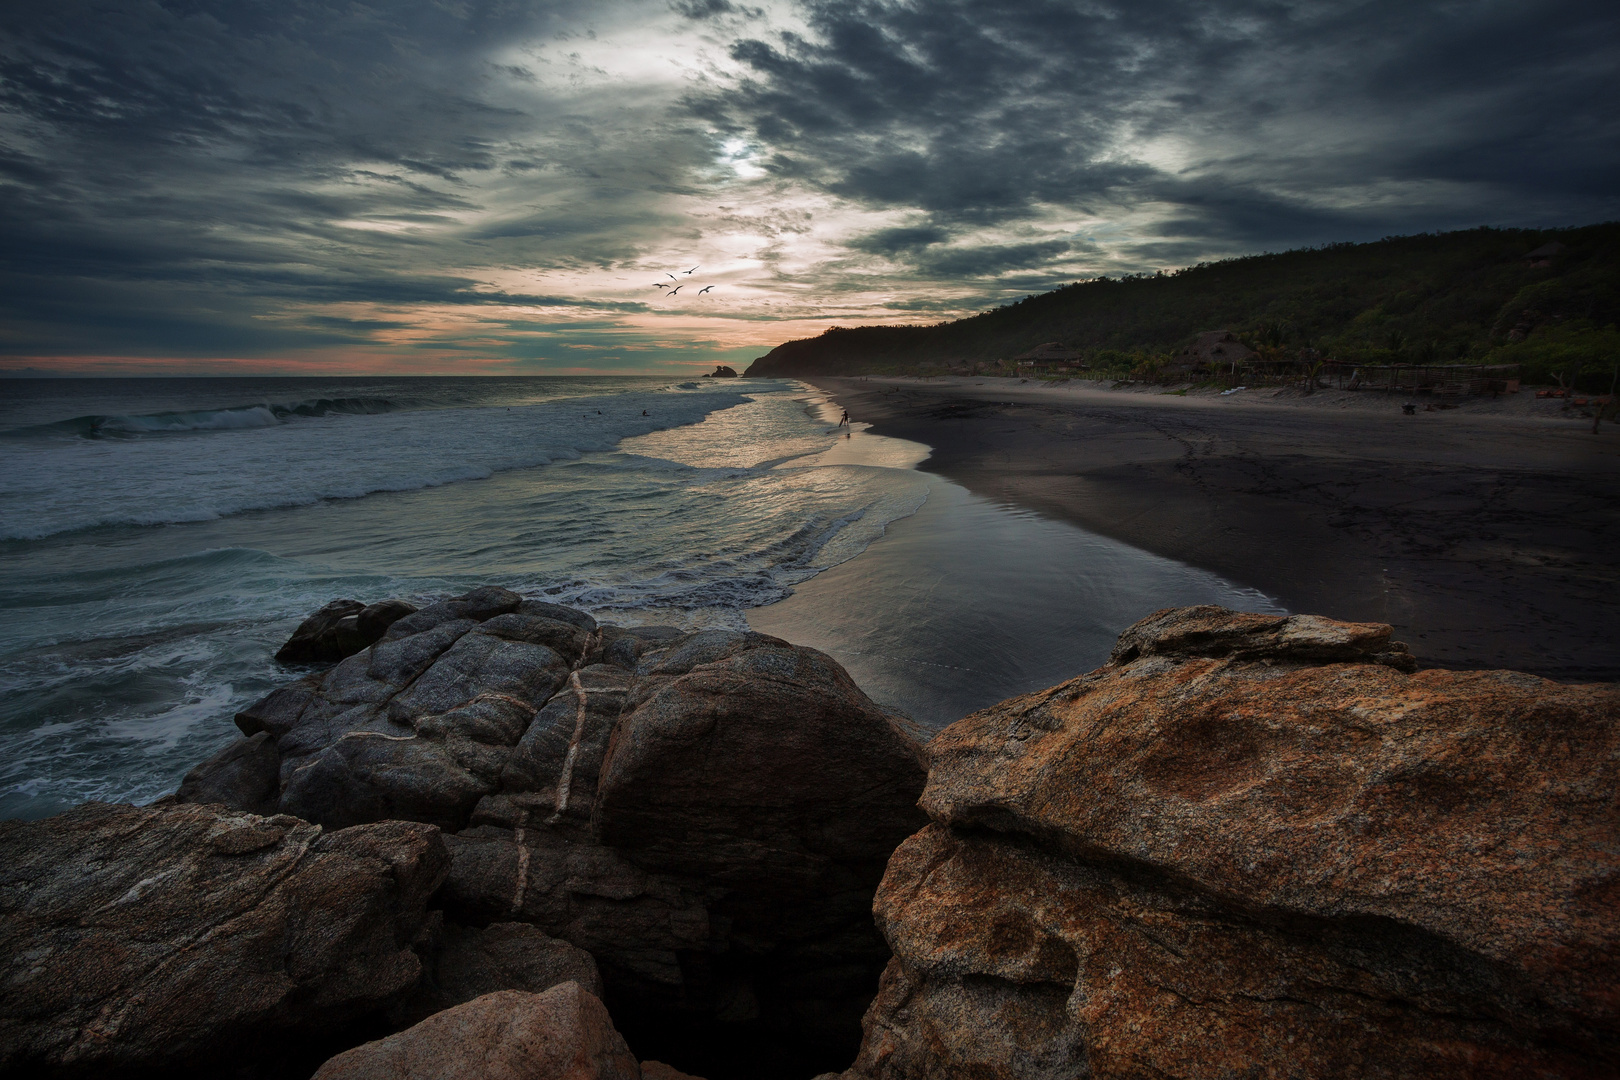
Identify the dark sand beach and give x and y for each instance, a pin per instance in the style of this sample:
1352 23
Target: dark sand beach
1488 535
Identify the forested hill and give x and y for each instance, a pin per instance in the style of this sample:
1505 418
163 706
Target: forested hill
1439 298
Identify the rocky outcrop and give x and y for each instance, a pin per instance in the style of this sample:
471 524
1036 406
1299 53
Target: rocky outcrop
418 726
179 937
340 629
1258 846
1249 845
562 1034
706 814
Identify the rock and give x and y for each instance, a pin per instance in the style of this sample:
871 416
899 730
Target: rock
478 605
558 613
562 1034
637 925
418 726
707 814
246 775
1252 846
711 831
138 940
760 764
625 645
657 1070
1214 631
374 620
468 963
341 628
555 766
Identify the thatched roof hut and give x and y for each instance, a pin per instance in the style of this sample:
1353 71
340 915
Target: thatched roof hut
1052 352
1214 350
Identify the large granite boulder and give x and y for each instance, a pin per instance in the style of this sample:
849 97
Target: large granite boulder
711 826
707 814
189 939
562 1034
1256 846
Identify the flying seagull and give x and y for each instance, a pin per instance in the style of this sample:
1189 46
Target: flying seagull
662 285
692 270
671 276
675 290
705 289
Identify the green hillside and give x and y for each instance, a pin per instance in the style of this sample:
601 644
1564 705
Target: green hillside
1467 296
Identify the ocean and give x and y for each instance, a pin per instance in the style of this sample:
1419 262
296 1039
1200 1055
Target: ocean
160 538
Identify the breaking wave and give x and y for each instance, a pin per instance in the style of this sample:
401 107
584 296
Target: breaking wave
235 418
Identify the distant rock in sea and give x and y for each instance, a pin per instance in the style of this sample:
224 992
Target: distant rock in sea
722 372
1248 845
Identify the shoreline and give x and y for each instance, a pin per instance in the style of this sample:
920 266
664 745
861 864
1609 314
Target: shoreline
966 602
1488 536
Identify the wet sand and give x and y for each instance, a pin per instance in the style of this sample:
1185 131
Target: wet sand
968 602
1489 535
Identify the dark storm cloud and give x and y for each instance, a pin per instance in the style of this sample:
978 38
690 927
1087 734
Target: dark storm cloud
1285 115
975 261
241 177
166 169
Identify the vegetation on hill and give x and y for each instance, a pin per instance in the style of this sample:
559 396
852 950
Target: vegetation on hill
1460 297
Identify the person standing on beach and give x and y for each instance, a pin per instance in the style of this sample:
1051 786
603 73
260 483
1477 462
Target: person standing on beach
845 421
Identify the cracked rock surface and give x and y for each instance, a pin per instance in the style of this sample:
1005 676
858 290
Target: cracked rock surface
1257 846
186 937
706 814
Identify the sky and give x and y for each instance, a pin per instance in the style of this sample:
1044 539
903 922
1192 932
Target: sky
497 186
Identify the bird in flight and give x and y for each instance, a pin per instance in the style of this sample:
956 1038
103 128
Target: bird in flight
675 290
661 285
693 270
671 276
705 289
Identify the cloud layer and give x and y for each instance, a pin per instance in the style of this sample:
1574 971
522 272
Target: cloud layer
454 185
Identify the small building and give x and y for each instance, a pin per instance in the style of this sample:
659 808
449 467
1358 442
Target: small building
1544 255
1050 354
1213 351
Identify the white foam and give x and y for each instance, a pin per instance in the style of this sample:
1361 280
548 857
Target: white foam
247 459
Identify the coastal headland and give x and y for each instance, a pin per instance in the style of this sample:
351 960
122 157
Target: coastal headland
1488 535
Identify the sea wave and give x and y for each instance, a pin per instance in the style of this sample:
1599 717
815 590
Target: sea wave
55 486
232 418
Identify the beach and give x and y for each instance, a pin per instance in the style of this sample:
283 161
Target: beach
968 601
160 539
962 542
1488 535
